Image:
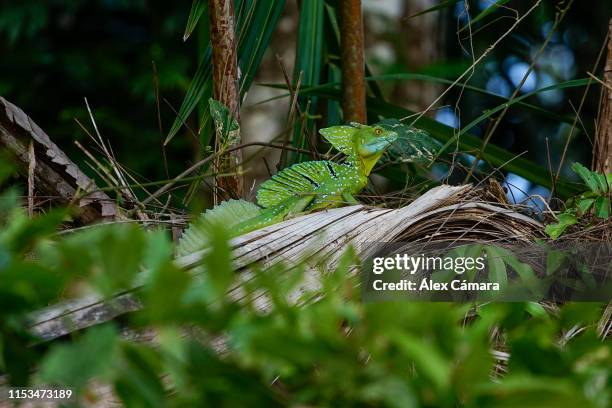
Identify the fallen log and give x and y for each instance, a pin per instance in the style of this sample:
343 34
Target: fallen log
326 234
55 175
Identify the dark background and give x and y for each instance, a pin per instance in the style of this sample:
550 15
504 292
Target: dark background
56 53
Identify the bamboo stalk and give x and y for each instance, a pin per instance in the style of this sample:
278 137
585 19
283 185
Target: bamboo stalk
226 91
352 61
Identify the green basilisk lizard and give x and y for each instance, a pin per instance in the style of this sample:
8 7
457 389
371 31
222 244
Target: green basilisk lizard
303 187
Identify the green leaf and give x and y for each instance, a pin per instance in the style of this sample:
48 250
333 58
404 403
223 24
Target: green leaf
109 255
490 9
255 21
218 263
530 391
584 205
309 50
227 128
602 207
525 272
25 285
554 260
200 87
167 285
391 391
497 267
536 310
565 220
602 182
473 251
89 356
308 63
596 182
117 257
259 21
443 5
21 233
138 381
405 76
587 176
197 9
159 249
496 256
428 360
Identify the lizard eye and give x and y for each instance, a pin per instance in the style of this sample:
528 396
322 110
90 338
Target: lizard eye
378 131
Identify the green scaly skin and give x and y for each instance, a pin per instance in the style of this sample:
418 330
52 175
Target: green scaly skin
339 185
303 187
269 216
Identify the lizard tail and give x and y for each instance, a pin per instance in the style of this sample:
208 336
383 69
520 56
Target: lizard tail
229 213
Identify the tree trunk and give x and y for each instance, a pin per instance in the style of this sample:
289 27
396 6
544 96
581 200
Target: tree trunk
352 61
226 90
603 142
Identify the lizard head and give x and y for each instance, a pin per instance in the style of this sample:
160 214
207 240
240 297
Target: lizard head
362 143
370 142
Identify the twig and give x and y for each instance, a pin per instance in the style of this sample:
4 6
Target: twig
476 62
602 83
108 178
159 120
549 163
103 145
294 108
569 137
31 170
497 122
211 157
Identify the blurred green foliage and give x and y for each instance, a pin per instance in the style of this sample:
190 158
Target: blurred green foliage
596 200
324 348
213 349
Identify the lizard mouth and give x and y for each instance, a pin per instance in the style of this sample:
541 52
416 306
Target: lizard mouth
377 146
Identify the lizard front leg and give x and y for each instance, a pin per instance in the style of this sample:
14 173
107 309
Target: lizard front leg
299 205
349 199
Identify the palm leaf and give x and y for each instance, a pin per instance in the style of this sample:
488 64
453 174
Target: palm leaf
441 6
260 19
197 9
333 83
490 9
255 22
563 85
308 62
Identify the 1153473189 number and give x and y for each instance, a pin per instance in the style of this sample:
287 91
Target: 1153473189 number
37 394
